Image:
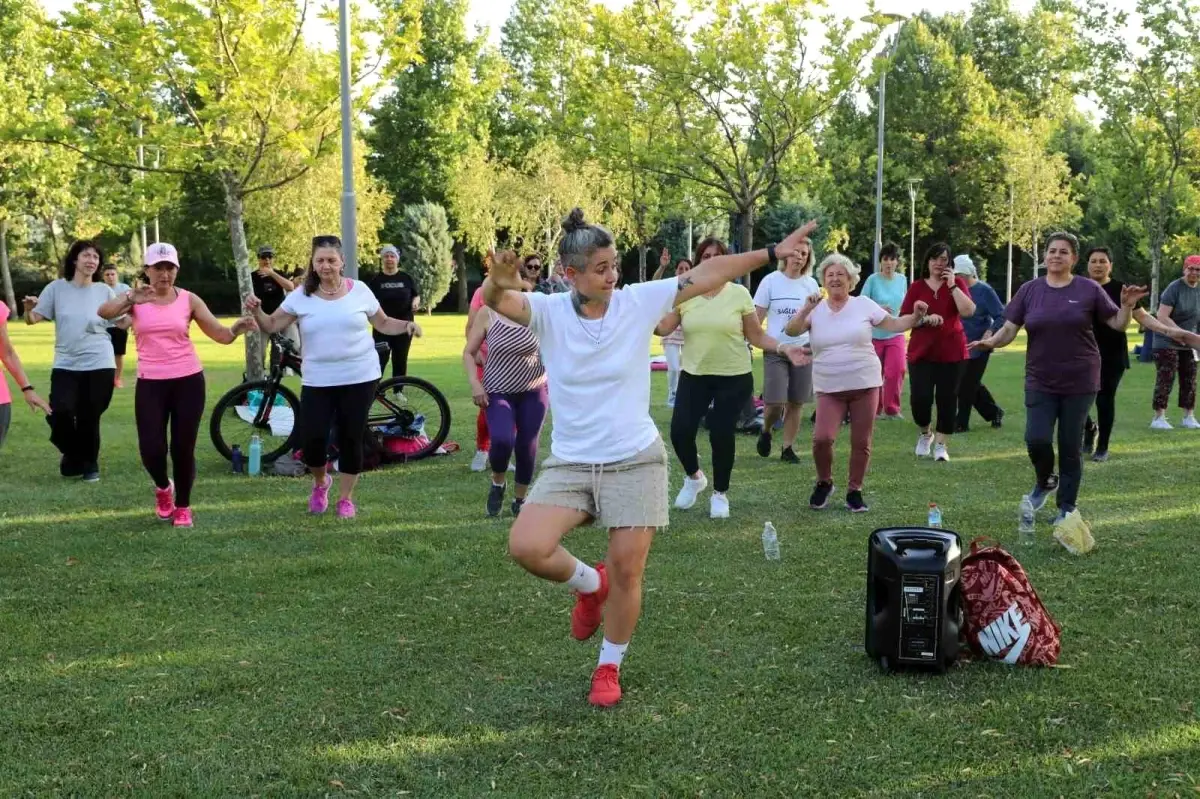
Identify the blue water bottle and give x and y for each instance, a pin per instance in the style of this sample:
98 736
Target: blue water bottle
236 456
935 515
255 456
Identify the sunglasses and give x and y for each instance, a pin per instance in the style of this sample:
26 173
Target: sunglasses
326 241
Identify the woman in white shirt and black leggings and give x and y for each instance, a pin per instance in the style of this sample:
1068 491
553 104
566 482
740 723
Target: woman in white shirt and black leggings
339 365
608 463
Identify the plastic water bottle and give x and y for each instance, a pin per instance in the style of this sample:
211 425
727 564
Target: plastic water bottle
255 456
1026 522
239 465
935 516
770 542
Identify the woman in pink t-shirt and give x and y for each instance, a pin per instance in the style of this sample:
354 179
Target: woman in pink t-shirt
846 372
8 356
170 385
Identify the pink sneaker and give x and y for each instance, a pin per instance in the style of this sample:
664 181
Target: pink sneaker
345 509
183 517
164 502
318 501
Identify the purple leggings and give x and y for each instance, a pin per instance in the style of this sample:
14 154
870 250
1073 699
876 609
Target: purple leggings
515 422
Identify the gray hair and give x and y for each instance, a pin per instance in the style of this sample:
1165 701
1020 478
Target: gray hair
580 241
837 259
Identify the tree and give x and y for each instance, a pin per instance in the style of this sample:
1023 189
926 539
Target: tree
425 248
313 206
741 85
1149 90
228 89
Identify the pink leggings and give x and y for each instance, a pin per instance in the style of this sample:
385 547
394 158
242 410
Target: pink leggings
891 352
831 410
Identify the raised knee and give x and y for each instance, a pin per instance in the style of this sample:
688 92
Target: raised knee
525 549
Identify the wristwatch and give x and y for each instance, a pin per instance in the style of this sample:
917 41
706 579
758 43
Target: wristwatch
771 258
26 389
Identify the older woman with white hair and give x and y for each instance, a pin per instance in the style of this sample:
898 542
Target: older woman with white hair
846 373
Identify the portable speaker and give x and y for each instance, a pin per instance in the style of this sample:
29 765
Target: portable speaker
914 601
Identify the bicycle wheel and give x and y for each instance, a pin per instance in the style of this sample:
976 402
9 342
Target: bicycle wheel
258 407
413 409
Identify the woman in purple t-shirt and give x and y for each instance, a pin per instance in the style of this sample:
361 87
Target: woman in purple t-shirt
1062 363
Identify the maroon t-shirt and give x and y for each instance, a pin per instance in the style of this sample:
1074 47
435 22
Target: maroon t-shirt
946 343
1061 356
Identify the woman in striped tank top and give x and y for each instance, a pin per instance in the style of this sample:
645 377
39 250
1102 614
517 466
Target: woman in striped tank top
513 393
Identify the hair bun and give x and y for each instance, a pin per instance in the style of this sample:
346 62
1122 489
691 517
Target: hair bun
575 221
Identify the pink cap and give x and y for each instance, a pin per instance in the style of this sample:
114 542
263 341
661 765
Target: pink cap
1192 260
161 251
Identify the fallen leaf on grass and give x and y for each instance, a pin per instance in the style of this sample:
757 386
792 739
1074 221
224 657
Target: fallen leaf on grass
336 784
72 561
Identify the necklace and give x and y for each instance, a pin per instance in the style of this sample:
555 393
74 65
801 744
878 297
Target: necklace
328 293
578 305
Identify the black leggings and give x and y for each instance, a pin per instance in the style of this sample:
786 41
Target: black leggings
178 403
692 398
929 380
77 401
343 407
1069 412
398 350
1111 373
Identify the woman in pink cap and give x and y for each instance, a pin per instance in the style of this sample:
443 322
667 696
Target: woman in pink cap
170 385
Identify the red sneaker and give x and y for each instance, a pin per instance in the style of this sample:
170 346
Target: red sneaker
164 502
606 686
589 609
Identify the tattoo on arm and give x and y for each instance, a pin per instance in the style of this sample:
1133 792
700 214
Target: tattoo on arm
684 282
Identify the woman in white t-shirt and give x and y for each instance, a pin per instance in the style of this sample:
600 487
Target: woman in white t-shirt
786 386
608 463
672 343
339 365
846 372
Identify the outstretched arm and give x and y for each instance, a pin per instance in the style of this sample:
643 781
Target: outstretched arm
212 327
899 324
994 341
716 272
503 288
280 320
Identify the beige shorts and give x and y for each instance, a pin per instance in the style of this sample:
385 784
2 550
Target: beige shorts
628 493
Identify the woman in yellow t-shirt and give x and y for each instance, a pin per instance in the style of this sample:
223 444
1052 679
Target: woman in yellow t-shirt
716 372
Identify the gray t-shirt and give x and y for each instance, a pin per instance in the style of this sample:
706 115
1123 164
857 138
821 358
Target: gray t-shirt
1185 312
81 342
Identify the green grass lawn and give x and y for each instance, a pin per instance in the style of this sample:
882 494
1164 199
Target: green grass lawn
265 652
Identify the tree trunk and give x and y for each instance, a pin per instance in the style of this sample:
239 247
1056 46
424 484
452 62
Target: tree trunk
235 215
642 262
10 297
1155 266
460 260
746 234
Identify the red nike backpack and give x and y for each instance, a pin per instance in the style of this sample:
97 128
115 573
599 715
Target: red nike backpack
1004 618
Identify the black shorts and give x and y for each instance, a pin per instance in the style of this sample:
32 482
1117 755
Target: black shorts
120 338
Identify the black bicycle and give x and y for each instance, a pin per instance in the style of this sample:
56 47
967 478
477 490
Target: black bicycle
409 410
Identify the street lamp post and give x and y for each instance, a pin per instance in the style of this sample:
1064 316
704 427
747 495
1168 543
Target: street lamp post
1010 238
879 153
349 224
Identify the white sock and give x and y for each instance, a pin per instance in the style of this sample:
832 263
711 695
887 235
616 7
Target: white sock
612 653
585 580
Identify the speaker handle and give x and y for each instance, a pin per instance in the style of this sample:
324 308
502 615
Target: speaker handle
903 542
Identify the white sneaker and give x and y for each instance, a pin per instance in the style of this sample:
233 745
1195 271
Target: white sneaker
1190 422
940 453
718 506
1161 423
480 462
691 489
923 445
512 467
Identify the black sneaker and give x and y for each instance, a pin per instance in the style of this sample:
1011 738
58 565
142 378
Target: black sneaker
1089 437
854 502
1100 457
764 444
789 455
517 504
91 473
998 422
820 496
1040 493
495 500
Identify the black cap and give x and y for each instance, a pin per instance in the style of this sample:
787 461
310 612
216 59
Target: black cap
265 251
